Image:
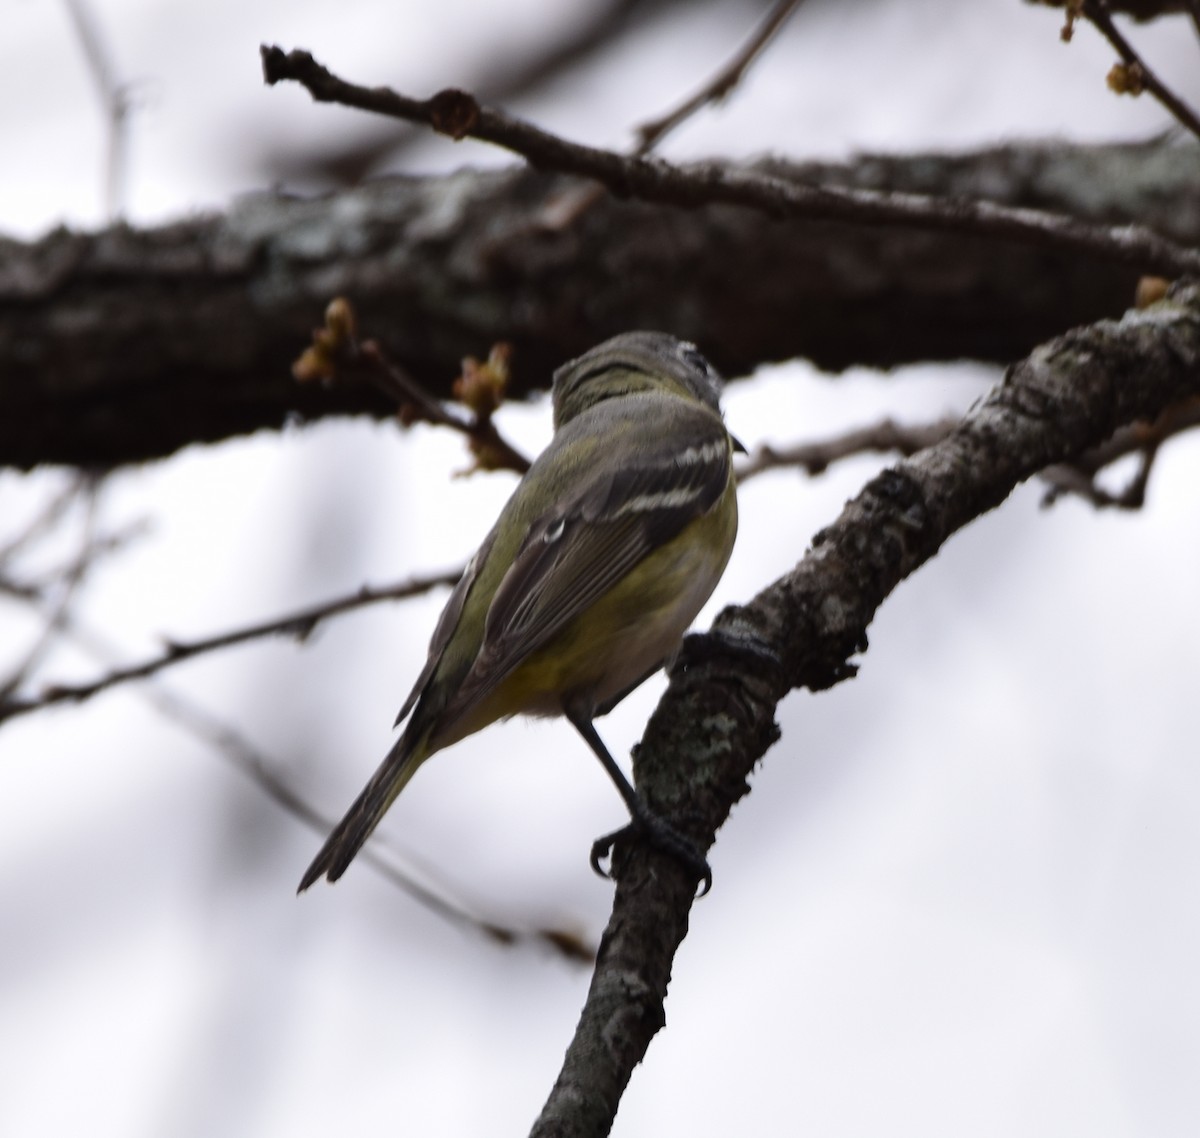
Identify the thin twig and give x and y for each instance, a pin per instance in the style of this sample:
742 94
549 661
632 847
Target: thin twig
1097 12
457 114
577 200
506 76
255 765
652 132
814 458
116 100
399 386
299 624
481 431
56 614
1143 439
43 522
1063 480
98 546
252 762
337 352
1077 477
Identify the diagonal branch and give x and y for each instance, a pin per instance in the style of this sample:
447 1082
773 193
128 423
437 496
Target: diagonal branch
299 624
717 718
336 351
1078 477
116 98
57 615
507 74
718 87
237 750
574 204
1137 76
816 458
1142 439
458 115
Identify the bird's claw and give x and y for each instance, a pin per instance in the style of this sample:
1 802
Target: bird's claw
660 835
601 848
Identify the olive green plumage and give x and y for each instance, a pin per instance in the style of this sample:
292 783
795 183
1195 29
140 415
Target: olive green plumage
607 549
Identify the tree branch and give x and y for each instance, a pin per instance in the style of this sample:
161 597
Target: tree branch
56 615
816 458
127 344
116 100
457 114
336 353
299 625
718 87
717 718
1144 439
234 748
1136 76
507 74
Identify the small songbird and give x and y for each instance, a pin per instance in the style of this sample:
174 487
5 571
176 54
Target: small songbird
607 549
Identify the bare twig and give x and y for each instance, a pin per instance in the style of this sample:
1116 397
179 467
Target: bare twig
256 766
56 614
1063 480
815 458
237 750
1139 76
115 97
1076 477
457 114
98 546
337 351
42 522
577 200
492 451
574 202
508 73
1143 439
718 87
299 624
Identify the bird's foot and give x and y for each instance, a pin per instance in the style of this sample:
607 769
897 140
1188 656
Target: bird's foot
663 836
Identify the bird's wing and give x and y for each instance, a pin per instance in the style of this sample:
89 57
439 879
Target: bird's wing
574 554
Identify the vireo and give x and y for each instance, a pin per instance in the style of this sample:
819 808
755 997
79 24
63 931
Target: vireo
607 549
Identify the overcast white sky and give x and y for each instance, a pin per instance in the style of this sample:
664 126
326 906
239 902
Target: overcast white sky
961 897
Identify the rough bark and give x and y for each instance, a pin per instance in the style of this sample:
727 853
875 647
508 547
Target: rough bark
716 720
124 345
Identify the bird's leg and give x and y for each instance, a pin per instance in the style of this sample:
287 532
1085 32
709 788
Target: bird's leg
644 822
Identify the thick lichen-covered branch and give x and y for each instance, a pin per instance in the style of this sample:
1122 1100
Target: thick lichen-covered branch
459 115
716 720
125 345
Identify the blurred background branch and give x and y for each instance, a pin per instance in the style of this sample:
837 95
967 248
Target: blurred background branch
107 351
116 102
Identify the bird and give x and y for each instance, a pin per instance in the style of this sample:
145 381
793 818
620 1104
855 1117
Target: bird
607 549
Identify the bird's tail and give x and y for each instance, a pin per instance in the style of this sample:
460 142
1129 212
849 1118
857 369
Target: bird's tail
369 807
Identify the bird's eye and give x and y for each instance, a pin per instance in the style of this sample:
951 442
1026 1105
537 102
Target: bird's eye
691 356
